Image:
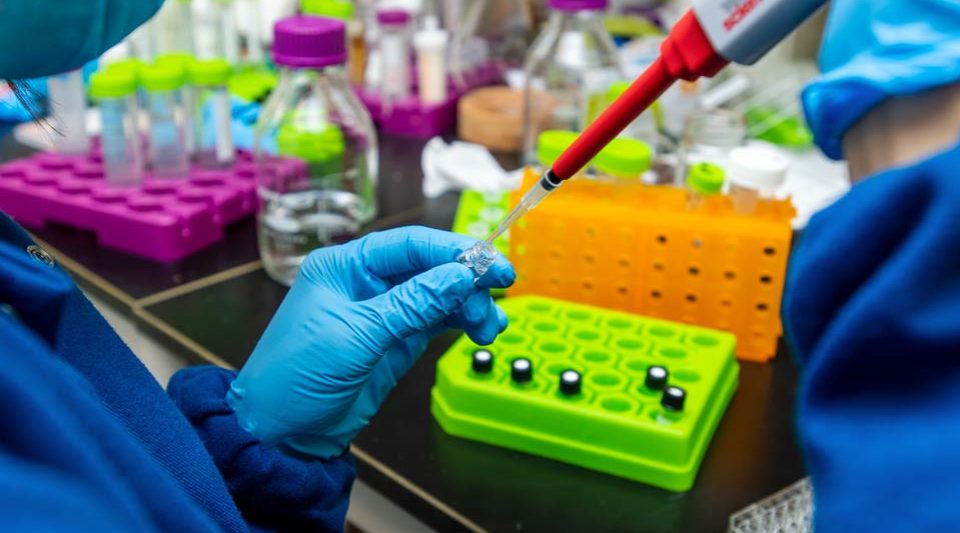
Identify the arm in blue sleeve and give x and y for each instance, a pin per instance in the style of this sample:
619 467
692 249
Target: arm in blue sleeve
872 310
272 489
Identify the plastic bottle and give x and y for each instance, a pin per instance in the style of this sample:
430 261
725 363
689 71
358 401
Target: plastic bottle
569 69
214 138
755 173
114 92
431 46
68 107
705 179
167 154
313 115
394 56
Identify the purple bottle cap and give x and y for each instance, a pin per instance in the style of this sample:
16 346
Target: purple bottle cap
309 42
393 17
577 5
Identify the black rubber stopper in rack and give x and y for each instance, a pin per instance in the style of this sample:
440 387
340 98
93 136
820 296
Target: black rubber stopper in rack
570 382
482 361
521 370
656 378
673 398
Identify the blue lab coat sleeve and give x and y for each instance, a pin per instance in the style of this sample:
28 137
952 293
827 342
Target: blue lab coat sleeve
90 441
270 487
872 311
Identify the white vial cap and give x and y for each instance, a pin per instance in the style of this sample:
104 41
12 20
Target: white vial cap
757 167
431 37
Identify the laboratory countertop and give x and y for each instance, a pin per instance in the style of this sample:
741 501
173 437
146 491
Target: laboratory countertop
213 306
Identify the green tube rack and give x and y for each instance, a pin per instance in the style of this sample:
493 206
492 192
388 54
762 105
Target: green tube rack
615 424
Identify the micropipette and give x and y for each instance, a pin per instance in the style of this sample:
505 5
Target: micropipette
708 37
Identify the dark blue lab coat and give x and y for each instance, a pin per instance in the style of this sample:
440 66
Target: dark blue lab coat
90 441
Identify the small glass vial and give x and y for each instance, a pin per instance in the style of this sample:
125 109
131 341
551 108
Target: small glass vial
68 108
569 69
115 94
672 403
167 153
431 46
312 115
704 179
394 56
756 172
213 134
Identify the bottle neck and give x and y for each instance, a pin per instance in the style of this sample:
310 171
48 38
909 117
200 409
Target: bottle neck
583 20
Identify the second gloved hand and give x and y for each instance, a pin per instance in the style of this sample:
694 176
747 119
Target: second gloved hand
356 319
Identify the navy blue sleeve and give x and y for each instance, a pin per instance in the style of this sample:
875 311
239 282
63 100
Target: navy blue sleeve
872 311
273 490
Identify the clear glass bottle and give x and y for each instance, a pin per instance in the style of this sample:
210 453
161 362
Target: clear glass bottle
167 153
212 118
710 135
569 70
755 174
115 91
313 116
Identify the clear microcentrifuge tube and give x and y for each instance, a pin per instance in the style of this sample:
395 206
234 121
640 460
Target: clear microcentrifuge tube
213 135
478 258
115 93
68 108
394 56
167 153
756 172
185 110
703 179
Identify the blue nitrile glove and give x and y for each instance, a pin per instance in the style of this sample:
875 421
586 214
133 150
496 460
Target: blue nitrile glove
356 319
876 49
42 38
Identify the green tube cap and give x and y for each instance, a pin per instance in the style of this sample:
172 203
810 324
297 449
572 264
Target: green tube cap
624 158
180 59
705 178
112 84
130 66
337 9
209 72
552 143
162 77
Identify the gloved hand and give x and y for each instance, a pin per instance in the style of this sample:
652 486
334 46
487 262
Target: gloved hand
876 49
73 33
355 320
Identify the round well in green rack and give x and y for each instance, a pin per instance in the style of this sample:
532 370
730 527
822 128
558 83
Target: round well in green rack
596 356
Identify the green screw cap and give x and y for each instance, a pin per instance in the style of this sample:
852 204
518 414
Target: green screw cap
624 158
210 72
162 77
180 59
552 143
130 66
337 9
705 178
617 89
112 84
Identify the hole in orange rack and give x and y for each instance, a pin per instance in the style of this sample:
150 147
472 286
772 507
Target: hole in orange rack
662 239
769 250
655 294
591 231
556 253
692 298
766 279
623 290
555 282
730 275
588 285
589 257
697 243
762 306
726 302
624 262
658 266
694 271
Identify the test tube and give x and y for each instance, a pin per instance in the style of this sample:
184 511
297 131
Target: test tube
114 91
167 153
431 46
181 19
213 135
185 106
756 172
230 33
68 108
215 30
704 179
394 56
